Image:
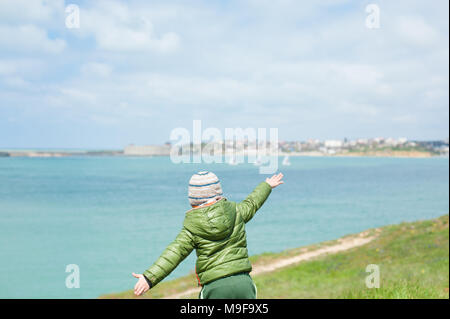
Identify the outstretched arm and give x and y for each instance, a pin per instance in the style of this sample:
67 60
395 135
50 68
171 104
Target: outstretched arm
248 207
175 253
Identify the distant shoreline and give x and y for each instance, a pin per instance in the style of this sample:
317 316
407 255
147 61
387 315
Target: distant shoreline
43 154
119 153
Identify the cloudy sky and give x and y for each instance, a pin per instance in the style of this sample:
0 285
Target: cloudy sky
135 70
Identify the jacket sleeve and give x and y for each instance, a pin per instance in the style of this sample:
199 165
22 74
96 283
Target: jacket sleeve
175 253
248 207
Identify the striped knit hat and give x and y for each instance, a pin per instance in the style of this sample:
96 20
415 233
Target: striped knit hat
203 186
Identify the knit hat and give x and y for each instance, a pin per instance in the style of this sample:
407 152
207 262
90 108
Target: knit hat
203 186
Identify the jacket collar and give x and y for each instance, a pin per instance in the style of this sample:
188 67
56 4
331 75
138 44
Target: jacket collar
209 203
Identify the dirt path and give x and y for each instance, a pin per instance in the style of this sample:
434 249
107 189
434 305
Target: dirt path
342 245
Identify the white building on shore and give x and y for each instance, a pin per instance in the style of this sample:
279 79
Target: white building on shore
147 150
333 143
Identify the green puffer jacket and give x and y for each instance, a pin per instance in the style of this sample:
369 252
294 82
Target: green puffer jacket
217 233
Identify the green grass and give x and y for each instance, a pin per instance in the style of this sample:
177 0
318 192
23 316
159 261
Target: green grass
413 259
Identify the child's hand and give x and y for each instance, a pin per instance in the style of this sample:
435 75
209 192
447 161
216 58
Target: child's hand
275 180
141 286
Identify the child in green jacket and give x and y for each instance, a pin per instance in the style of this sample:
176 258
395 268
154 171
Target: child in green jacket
215 228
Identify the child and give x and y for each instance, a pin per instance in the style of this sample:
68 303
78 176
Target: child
215 228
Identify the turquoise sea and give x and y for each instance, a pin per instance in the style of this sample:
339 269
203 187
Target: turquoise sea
114 215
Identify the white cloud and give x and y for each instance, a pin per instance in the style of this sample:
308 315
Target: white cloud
357 74
79 95
6 68
416 31
104 120
438 93
359 109
405 119
29 39
16 82
96 69
23 67
117 28
31 11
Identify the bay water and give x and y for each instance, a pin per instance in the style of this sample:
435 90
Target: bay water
112 216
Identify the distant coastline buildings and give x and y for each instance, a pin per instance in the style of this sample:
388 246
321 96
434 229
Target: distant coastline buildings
369 146
378 146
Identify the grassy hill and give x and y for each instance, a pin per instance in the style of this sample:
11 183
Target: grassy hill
413 259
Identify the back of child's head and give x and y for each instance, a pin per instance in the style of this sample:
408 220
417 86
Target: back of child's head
203 186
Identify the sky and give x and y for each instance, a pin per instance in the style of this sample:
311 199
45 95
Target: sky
136 70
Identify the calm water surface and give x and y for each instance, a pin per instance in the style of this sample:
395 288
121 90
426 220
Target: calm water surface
113 215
